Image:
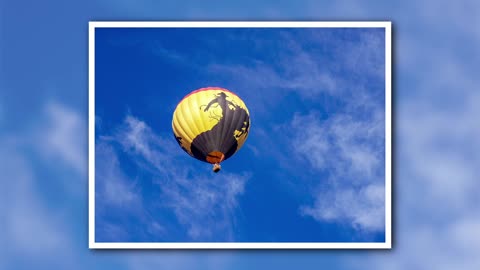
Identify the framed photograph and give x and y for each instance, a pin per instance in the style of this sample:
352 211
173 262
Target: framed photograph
240 135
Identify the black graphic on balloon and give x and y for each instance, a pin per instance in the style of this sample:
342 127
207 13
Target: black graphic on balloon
221 137
179 141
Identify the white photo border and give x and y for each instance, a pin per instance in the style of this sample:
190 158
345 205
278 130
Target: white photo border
387 25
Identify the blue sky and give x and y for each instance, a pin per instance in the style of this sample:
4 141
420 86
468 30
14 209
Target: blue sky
313 167
43 134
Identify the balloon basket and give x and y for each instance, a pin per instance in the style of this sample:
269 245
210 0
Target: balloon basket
216 167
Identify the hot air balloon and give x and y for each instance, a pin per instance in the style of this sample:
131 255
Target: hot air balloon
211 124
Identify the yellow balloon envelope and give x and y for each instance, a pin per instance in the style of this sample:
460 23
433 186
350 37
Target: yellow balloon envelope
211 124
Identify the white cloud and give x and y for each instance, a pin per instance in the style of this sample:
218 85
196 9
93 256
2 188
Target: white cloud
113 186
342 143
296 70
202 203
158 49
205 205
437 187
349 152
441 144
363 208
138 139
437 159
32 229
63 137
118 195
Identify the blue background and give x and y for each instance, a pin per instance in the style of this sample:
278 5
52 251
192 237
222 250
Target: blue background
43 131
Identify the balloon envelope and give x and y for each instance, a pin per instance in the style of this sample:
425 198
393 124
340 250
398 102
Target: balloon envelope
211 124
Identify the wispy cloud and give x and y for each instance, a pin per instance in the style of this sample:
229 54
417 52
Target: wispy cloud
25 216
363 208
295 69
349 152
437 185
336 68
160 50
118 194
46 154
341 142
365 56
204 205
437 158
115 188
32 228
62 134
199 202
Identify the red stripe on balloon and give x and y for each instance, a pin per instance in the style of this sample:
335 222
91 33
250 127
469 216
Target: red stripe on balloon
208 88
